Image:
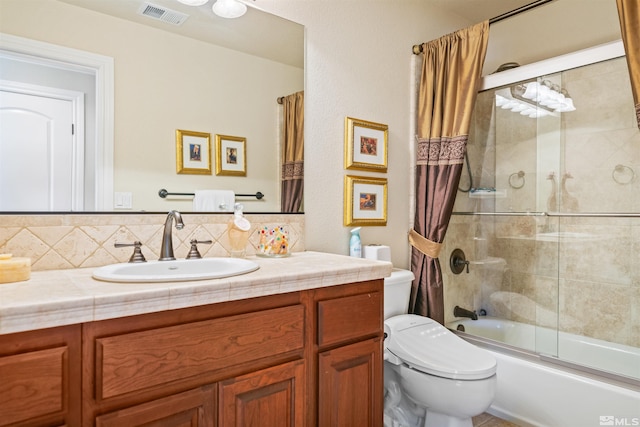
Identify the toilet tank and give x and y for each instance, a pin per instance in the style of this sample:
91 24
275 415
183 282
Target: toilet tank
397 290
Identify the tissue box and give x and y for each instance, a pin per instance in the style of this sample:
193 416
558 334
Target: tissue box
377 252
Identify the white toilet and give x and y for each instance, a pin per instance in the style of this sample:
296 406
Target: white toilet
442 374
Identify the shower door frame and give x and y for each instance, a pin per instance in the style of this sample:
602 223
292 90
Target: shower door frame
558 64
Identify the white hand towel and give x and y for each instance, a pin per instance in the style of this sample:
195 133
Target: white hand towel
214 201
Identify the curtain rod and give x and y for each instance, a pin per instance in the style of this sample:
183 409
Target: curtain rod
417 48
280 100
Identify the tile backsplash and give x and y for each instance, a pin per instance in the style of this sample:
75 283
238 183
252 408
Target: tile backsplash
61 241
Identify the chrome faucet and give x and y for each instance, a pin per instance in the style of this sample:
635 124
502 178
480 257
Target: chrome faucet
463 312
166 252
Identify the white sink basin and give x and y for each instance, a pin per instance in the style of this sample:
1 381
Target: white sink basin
175 271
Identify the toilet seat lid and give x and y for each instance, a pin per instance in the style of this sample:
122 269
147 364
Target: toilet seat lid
429 347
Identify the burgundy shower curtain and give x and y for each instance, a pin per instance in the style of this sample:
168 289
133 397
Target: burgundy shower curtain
452 67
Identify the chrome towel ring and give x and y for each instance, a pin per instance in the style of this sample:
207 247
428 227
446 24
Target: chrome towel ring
516 180
623 174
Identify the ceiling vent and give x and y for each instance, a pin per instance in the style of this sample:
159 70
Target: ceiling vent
161 13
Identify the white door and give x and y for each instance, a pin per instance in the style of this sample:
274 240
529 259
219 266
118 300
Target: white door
36 136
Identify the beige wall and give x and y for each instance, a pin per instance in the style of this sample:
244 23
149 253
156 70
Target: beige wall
553 29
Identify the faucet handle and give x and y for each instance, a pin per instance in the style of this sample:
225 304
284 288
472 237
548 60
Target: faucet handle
458 261
137 251
193 252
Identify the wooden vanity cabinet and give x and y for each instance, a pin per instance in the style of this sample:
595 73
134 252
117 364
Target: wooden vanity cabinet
307 358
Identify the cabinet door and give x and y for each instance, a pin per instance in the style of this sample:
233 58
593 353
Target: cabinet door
350 386
267 398
193 408
40 377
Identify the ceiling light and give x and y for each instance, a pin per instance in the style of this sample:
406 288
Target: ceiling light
193 2
229 8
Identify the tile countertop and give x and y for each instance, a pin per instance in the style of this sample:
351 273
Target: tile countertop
64 297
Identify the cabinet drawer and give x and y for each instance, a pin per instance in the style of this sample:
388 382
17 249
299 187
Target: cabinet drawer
136 361
350 317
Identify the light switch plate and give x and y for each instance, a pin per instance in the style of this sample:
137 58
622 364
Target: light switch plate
123 200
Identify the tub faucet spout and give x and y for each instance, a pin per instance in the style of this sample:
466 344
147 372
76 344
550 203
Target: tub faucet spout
463 312
166 252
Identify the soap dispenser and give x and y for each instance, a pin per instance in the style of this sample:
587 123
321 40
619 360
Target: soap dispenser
355 246
238 231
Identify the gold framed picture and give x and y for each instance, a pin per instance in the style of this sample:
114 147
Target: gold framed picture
193 152
365 200
365 145
231 155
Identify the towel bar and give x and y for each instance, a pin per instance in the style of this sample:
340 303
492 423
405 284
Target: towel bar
164 193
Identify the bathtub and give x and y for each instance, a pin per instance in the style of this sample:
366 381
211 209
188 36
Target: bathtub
603 355
539 390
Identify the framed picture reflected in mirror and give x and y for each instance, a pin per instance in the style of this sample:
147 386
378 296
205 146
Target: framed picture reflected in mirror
231 155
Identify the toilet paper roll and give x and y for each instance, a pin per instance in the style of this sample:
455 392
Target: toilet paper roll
377 252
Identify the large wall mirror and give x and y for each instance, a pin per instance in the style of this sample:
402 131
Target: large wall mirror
206 76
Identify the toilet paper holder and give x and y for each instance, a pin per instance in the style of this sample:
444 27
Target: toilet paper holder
458 261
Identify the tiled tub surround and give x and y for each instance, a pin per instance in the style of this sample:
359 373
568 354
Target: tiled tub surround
71 296
62 241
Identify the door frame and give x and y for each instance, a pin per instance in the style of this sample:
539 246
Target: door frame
102 68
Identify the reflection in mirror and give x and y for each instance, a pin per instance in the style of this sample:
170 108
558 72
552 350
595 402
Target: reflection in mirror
208 75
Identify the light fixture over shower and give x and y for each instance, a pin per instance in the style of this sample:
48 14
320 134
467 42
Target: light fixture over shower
536 99
222 8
